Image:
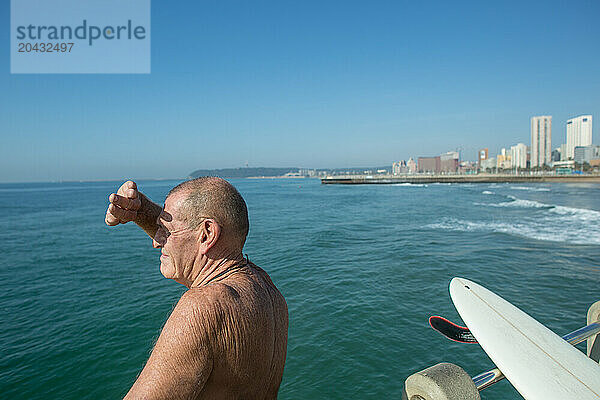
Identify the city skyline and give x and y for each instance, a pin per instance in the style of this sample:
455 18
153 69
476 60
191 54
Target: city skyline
577 147
311 85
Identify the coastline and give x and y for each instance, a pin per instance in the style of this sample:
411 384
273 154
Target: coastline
480 178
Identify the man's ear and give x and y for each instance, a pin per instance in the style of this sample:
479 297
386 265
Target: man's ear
210 231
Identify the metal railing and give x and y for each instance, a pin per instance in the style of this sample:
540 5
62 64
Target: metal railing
488 378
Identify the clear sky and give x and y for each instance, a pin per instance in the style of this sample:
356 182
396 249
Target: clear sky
307 83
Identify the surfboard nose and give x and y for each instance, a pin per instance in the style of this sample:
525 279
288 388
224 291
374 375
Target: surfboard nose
458 283
461 289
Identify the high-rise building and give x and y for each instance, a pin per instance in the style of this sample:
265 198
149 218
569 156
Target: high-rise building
579 133
482 156
541 140
518 155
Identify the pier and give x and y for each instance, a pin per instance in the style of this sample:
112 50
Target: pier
475 178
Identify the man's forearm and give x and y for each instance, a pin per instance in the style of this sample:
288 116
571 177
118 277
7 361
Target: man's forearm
147 215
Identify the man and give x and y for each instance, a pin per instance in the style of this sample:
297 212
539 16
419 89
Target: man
227 336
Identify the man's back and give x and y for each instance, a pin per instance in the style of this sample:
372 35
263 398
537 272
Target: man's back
247 333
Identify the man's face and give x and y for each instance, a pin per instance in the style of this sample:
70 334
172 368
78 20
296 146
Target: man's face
178 243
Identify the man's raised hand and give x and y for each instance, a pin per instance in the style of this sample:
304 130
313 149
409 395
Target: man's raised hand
124 205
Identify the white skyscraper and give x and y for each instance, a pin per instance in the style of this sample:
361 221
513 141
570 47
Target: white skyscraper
518 155
541 140
579 133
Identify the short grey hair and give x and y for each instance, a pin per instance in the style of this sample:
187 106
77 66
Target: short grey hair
212 197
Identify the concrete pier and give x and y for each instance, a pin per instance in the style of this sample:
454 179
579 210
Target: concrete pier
479 178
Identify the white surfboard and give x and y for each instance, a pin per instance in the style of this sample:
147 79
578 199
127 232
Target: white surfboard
536 361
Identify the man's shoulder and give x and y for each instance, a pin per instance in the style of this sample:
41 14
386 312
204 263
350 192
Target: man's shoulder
245 293
208 297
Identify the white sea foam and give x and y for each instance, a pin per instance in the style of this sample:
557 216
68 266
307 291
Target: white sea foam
551 223
582 213
487 192
540 230
533 189
410 184
520 203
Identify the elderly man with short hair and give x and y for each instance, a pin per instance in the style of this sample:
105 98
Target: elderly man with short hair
227 336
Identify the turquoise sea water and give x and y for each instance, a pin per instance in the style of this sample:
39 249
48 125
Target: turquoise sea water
361 267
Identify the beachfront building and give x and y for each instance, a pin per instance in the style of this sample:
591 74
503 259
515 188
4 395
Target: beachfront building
541 140
449 161
563 167
585 154
563 152
488 164
428 164
579 133
399 167
467 167
481 156
518 156
555 156
503 160
412 166
404 167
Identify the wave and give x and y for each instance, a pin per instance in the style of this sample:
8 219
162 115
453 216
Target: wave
534 229
533 189
581 213
553 208
520 203
550 222
487 192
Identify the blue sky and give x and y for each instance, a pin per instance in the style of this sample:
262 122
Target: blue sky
307 84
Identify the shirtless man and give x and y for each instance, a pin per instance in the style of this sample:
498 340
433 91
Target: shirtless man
227 336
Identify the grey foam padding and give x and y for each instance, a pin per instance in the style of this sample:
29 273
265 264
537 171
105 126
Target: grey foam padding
593 343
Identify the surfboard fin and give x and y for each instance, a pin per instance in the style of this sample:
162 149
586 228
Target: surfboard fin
452 331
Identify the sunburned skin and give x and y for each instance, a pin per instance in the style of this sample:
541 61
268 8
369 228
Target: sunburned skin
227 336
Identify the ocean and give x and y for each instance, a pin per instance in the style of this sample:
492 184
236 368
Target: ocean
361 267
